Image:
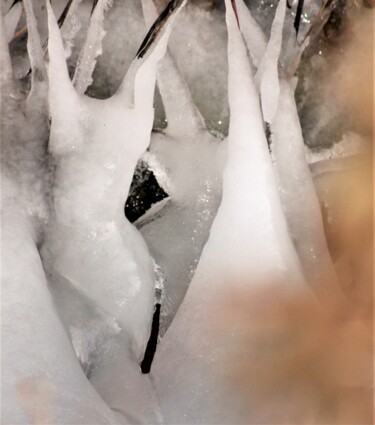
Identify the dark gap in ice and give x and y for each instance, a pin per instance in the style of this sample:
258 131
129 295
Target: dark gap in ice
297 20
267 130
152 342
144 192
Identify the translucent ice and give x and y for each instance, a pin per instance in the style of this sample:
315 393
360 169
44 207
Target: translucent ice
297 191
248 247
92 48
188 160
41 377
11 20
89 245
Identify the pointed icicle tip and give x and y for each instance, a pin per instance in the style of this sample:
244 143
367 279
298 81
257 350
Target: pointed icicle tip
158 25
234 6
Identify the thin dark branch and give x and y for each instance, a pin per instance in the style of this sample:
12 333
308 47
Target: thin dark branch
297 20
234 6
157 27
94 3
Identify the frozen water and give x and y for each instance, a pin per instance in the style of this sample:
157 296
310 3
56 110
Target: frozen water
297 191
96 145
75 330
188 162
11 20
268 68
92 48
300 202
252 33
176 234
248 247
41 377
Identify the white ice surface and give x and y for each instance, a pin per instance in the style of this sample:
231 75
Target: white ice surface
11 20
248 247
89 245
91 48
42 381
96 145
192 162
268 71
299 198
41 377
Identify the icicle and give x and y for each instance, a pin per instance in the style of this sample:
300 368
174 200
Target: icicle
300 201
63 99
252 33
187 159
96 144
37 98
92 47
71 27
91 245
6 72
297 191
11 20
137 81
248 249
268 73
182 115
42 381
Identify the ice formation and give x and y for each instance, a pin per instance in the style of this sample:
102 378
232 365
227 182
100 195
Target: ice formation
253 251
242 212
188 161
41 378
297 191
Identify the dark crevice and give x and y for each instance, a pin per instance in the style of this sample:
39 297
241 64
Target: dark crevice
152 342
299 11
143 194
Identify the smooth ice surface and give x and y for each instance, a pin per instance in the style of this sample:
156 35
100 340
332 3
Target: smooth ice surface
11 20
252 33
297 191
268 68
248 247
96 145
176 234
90 246
188 160
300 202
41 377
92 48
